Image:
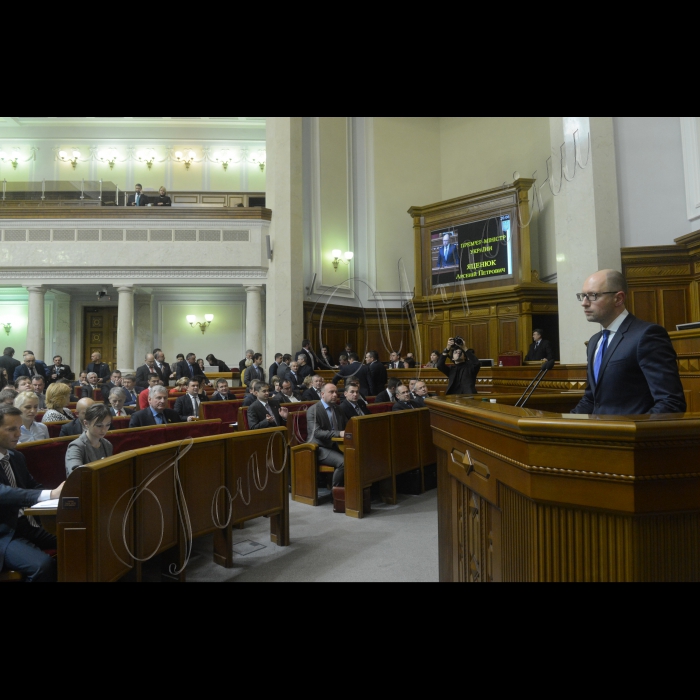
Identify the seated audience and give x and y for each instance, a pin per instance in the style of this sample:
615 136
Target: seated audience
115 382
434 359
179 358
284 366
305 369
22 541
223 391
354 405
295 378
145 371
213 362
4 381
162 200
255 371
153 380
265 413
57 398
275 386
409 363
357 371
38 385
395 361
138 199
247 362
93 383
419 394
251 397
187 406
41 367
129 388
157 412
77 426
31 431
275 366
343 361
180 387
69 384
28 369
313 393
82 381
325 421
189 368
59 371
287 394
389 395
116 404
403 400
91 446
7 397
99 368
326 360
23 384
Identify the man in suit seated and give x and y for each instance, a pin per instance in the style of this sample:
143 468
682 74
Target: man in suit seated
77 427
255 371
116 404
87 390
251 396
28 369
419 394
354 405
448 255
38 387
295 378
389 394
403 400
22 540
157 412
247 362
129 389
287 394
189 369
315 391
266 413
395 361
541 349
355 370
144 372
138 199
153 380
223 391
41 367
115 382
187 406
632 365
378 376
59 371
325 421
101 369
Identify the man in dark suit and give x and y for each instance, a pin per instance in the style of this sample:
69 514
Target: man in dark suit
309 355
419 394
275 366
59 371
255 371
21 539
100 368
115 382
389 394
223 392
76 427
314 392
29 369
251 396
448 255
378 376
219 364
355 370
286 394
353 405
325 421
295 379
187 406
163 368
404 401
116 400
632 366
144 372
304 368
265 413
41 367
157 412
463 373
8 362
139 199
541 349
189 368
247 362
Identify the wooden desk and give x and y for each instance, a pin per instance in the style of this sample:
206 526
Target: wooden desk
531 496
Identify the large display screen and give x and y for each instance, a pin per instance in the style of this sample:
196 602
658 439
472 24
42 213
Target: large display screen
481 251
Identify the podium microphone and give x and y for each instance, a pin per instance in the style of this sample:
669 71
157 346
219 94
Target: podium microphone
534 385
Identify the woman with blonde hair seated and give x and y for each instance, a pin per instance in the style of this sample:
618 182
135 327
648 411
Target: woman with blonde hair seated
57 398
180 387
31 431
163 200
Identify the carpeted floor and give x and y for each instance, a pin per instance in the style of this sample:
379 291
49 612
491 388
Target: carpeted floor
393 544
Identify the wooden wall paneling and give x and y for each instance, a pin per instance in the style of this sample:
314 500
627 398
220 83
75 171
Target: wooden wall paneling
480 340
674 306
643 305
436 341
508 335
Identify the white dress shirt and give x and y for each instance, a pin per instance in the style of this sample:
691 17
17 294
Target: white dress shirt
37 432
45 495
614 327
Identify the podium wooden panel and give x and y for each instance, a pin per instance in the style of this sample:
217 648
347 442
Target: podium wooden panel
526 495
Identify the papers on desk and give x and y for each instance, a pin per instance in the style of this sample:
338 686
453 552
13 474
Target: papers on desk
46 505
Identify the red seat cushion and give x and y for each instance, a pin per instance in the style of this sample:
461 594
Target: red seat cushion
378 408
225 411
46 461
139 439
185 431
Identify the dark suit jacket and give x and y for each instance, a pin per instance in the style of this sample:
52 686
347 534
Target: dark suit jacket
183 370
305 372
129 411
378 378
216 396
242 365
405 406
103 371
26 495
311 360
320 430
23 371
257 416
385 397
418 400
222 367
347 408
297 383
639 375
72 429
142 202
10 364
357 372
449 260
249 400
310 395
65 373
106 389
251 375
184 407
143 372
272 372
462 378
145 419
544 352
165 373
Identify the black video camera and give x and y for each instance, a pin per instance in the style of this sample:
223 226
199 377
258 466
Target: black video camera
459 342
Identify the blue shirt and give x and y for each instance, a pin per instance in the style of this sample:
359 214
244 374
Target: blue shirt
156 414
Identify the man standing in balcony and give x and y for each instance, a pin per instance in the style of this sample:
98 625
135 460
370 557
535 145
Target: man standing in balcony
139 199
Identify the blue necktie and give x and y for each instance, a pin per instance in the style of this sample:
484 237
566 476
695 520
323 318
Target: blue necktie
160 420
601 355
192 371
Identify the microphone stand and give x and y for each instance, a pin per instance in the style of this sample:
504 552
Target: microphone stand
534 385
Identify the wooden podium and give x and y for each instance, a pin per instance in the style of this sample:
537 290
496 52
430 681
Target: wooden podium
526 495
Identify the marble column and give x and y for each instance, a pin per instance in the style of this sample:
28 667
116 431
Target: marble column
125 330
36 333
254 319
285 287
62 342
587 216
143 328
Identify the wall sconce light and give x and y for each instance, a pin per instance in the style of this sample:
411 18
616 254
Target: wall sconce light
224 158
14 160
7 327
261 160
186 159
63 156
192 320
340 257
149 156
109 156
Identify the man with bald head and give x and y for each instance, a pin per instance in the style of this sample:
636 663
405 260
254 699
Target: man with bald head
144 373
326 422
632 366
76 427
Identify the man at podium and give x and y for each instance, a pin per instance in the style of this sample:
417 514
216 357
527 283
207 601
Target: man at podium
632 366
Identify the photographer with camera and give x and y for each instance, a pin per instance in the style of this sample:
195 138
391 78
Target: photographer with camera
463 373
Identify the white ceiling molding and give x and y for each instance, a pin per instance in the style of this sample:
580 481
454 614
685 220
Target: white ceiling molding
137 122
690 131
